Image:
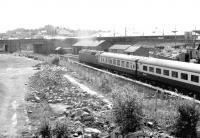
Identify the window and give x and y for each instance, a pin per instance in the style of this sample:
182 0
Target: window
118 62
123 65
145 68
166 72
174 74
107 60
102 59
133 66
110 61
151 69
158 70
127 64
195 78
184 76
114 61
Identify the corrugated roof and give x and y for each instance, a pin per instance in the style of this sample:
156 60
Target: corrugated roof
119 46
88 43
145 44
132 49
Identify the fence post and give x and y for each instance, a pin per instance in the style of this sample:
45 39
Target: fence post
156 104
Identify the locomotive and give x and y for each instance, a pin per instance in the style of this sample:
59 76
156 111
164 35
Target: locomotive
180 75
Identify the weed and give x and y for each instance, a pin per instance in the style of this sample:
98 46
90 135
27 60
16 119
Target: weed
45 129
186 122
127 111
55 61
61 130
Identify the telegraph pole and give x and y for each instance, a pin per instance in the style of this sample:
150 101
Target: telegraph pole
194 37
175 31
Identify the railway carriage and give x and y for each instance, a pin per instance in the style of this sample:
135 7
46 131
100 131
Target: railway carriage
122 63
171 73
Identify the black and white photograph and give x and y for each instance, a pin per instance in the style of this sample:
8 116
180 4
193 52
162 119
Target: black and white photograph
100 69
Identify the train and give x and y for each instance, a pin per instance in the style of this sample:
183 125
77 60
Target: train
178 75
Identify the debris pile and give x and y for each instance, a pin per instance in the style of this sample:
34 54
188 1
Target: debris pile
82 108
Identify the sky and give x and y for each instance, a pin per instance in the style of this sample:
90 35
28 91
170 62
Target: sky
137 16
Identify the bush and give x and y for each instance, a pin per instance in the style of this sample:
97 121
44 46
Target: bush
55 61
45 129
61 130
54 130
127 111
187 120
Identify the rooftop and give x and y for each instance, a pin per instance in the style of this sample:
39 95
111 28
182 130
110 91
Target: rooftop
119 46
89 43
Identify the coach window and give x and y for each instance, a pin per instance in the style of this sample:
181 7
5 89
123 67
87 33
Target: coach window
151 69
133 66
130 66
106 59
145 68
122 63
127 64
195 78
118 62
114 61
110 61
174 74
166 72
184 76
158 70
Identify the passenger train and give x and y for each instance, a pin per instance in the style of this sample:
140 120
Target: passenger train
166 72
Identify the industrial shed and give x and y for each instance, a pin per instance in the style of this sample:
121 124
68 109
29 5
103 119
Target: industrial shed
137 50
43 47
118 48
100 45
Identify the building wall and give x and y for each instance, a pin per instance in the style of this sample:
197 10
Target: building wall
121 51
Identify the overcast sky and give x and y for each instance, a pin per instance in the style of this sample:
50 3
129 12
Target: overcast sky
137 15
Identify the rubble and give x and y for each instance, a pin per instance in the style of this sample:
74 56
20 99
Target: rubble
67 101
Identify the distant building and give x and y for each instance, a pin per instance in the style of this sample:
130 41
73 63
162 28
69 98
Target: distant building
118 48
100 45
137 50
129 49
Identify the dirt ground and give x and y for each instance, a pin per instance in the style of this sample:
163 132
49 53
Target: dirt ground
14 73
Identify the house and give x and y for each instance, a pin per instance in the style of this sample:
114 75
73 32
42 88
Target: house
100 45
118 48
137 50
